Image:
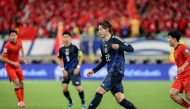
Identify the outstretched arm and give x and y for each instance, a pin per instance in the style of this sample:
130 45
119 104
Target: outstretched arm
99 66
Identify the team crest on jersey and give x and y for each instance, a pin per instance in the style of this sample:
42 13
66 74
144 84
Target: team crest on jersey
4 50
66 51
186 51
106 50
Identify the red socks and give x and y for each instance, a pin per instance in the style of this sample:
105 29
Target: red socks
22 93
18 94
185 104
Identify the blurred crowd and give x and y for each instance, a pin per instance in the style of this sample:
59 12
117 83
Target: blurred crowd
153 20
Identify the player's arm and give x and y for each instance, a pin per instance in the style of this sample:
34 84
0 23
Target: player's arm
22 52
186 62
4 56
59 60
123 46
80 58
186 53
23 55
4 59
101 64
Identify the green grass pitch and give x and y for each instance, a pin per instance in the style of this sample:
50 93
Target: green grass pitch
48 95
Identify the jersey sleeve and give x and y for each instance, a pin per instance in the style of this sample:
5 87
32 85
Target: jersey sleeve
102 63
186 53
79 51
5 51
123 46
102 55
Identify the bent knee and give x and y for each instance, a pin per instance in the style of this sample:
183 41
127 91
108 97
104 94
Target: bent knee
188 96
101 90
79 88
173 94
117 100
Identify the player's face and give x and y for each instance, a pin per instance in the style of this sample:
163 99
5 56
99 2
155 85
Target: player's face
66 39
171 41
12 37
102 32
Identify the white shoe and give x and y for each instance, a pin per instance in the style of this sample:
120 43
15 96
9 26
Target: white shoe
21 104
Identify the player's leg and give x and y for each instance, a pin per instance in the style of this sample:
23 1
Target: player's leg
21 82
188 97
66 93
97 99
13 77
104 87
76 80
187 88
174 95
177 88
17 89
123 102
21 85
117 91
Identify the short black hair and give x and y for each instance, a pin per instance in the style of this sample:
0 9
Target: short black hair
66 32
175 34
12 31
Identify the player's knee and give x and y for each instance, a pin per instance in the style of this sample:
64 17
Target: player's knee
16 84
21 84
188 96
172 95
117 100
79 88
101 90
64 89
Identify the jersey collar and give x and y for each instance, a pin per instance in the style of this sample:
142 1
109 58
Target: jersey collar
176 46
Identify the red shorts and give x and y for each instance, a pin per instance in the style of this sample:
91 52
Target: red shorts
15 73
182 84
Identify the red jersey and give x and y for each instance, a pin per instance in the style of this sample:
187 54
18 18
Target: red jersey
11 51
181 53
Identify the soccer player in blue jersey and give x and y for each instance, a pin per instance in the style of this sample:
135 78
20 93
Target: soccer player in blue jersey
71 55
112 49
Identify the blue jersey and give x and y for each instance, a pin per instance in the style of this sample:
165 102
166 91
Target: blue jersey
70 57
115 59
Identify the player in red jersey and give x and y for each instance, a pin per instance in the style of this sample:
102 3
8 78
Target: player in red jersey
182 59
10 56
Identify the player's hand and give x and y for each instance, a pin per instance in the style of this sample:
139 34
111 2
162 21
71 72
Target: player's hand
180 70
90 73
65 73
16 64
24 60
115 46
76 71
